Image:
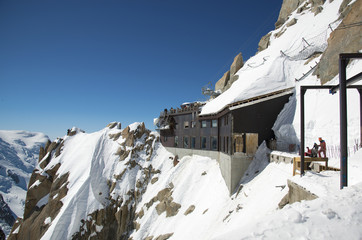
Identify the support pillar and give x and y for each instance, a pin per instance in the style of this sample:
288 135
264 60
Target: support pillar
360 115
302 130
343 120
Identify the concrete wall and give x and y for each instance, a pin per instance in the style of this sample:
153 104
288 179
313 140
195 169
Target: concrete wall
239 164
296 193
232 167
277 156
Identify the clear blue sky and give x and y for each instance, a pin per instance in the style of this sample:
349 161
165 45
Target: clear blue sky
86 63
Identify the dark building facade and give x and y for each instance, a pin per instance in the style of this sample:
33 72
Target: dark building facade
231 136
226 131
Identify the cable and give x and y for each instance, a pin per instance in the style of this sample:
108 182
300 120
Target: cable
247 42
356 24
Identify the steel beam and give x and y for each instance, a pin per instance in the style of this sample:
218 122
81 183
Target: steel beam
302 130
343 120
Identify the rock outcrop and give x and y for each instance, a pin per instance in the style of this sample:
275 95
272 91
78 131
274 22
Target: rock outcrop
6 214
230 76
288 7
342 40
221 83
166 203
264 42
2 234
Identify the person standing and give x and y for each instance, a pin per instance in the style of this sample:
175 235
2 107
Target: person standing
322 147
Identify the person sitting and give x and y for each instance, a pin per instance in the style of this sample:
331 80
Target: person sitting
314 151
308 152
322 147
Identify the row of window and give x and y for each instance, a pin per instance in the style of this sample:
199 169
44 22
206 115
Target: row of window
190 142
203 124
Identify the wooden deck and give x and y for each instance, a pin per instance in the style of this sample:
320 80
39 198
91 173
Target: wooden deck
307 161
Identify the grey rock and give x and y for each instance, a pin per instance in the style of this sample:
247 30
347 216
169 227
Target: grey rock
222 82
342 40
264 42
237 64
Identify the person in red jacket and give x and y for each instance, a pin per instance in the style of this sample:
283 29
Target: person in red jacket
322 147
308 152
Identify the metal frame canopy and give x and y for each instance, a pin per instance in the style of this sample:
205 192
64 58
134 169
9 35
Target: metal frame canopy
343 85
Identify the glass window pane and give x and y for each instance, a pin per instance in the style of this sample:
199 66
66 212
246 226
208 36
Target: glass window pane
176 141
193 142
203 142
213 143
186 142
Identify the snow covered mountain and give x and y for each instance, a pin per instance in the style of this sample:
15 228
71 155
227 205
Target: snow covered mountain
19 152
121 183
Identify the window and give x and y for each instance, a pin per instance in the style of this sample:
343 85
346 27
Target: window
176 125
186 124
203 124
176 141
227 144
214 123
238 144
203 142
193 124
193 142
223 146
213 143
186 142
226 119
165 138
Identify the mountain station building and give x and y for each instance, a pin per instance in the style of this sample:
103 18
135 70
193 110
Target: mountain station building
231 136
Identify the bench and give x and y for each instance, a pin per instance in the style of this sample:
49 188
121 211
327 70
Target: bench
307 162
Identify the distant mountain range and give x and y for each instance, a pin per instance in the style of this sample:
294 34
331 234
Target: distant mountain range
19 153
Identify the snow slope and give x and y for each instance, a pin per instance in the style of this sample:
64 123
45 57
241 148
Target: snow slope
18 156
251 213
91 162
270 70
336 214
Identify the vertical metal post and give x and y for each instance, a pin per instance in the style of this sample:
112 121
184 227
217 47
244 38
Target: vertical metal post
360 115
302 134
343 119
306 42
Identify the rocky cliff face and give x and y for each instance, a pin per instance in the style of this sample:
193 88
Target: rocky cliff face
6 216
51 198
347 38
284 20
